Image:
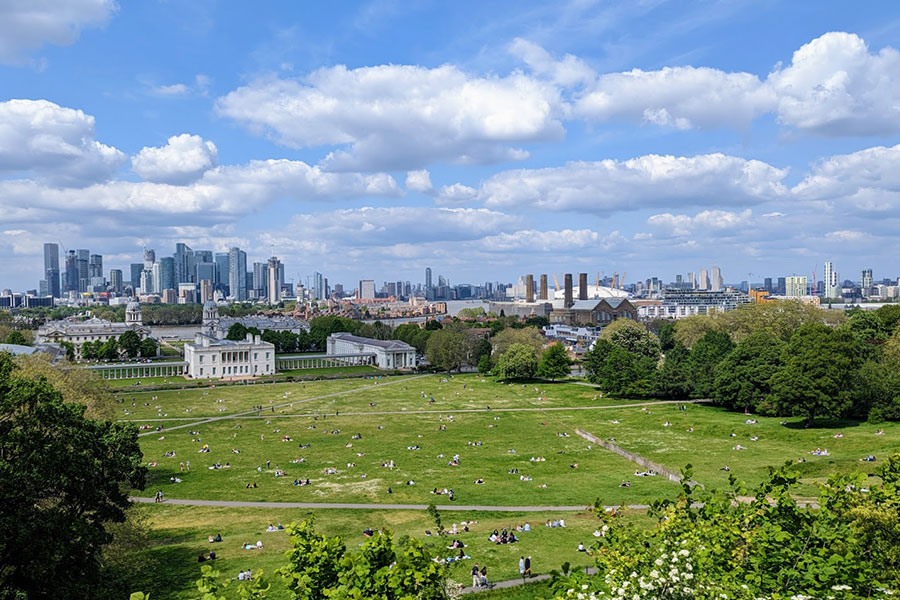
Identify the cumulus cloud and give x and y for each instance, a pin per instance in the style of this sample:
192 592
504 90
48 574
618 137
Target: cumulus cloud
846 235
400 116
54 143
571 71
648 181
456 194
566 240
419 181
26 25
183 159
706 222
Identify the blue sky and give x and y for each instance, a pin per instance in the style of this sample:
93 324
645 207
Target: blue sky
483 139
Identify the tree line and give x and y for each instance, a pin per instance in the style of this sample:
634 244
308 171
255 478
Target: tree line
127 345
775 358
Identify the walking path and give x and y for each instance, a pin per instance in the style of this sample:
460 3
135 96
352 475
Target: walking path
514 582
371 506
273 407
410 412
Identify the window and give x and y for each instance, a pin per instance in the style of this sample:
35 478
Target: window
201 358
255 355
267 356
214 370
201 370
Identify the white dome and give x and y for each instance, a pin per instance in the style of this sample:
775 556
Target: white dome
594 291
210 305
132 306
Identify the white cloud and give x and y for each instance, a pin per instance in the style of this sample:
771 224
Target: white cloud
201 86
566 240
183 159
835 86
26 25
176 89
706 222
648 181
419 181
54 143
456 194
679 97
568 72
846 235
400 117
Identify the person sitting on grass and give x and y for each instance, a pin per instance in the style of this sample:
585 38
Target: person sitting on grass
201 558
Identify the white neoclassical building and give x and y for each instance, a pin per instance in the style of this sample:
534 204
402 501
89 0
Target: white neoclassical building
389 354
78 331
212 358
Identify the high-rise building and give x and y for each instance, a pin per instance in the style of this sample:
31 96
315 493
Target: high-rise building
866 279
146 286
71 280
318 286
427 278
136 269
95 266
115 280
399 288
167 269
782 284
692 280
206 290
149 258
203 256
82 262
51 269
339 290
237 273
767 284
703 280
205 270
258 289
274 280
184 263
715 281
832 282
223 269
366 290
795 286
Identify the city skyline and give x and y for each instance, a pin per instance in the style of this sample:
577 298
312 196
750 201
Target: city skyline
653 139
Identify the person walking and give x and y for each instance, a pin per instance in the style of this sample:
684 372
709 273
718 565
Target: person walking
159 495
522 567
476 576
528 567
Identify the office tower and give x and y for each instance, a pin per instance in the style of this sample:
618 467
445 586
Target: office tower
569 301
237 273
274 280
167 270
71 281
82 261
206 290
543 293
115 280
866 279
427 278
184 263
389 288
146 286
366 289
281 273
679 280
692 280
318 286
136 269
795 286
223 269
399 289
259 280
203 256
149 258
782 286
95 266
767 284
716 283
582 286
205 270
51 269
832 282
529 288
703 280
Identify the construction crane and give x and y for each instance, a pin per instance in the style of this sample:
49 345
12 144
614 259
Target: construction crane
598 279
814 290
622 281
556 282
615 281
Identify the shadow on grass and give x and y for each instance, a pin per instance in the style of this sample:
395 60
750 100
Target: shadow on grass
825 424
177 570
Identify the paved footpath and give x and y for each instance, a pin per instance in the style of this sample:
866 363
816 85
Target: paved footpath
514 582
370 506
254 412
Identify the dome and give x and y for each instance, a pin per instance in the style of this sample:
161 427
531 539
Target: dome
593 292
133 306
210 305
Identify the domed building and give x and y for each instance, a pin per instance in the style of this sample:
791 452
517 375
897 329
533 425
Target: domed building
78 330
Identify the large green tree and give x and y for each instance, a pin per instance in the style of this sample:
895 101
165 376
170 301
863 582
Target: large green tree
705 356
743 377
819 372
16 337
63 478
130 342
554 363
633 337
518 362
673 380
149 347
447 349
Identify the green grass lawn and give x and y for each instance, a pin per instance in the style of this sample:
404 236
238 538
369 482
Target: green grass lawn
347 370
180 533
709 447
508 441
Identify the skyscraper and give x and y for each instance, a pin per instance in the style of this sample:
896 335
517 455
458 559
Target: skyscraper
715 281
259 280
223 269
366 289
184 263
427 278
71 282
318 286
95 266
703 280
82 263
866 279
832 282
237 273
51 269
136 269
795 286
115 280
274 282
167 269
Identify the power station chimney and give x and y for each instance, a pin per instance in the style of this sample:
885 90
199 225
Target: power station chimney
529 288
543 295
582 286
568 285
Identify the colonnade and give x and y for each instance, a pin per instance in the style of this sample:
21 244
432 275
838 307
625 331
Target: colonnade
319 361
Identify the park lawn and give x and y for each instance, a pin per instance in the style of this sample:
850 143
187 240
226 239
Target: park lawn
347 370
215 401
710 446
180 533
386 438
118 385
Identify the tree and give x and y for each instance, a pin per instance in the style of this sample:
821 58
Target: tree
481 347
666 334
623 373
705 355
63 478
484 364
16 337
89 350
819 370
554 363
447 349
743 377
130 342
631 336
108 350
518 362
149 347
529 336
689 330
890 316
433 325
673 380
236 333
313 562
878 396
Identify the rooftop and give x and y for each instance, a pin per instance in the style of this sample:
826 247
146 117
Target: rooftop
385 344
